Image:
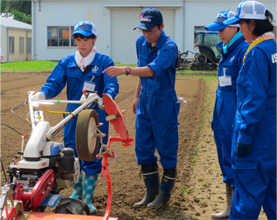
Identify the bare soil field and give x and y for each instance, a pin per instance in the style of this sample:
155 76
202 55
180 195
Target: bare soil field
198 191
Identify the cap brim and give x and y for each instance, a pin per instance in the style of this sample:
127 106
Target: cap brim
144 27
215 26
232 20
84 33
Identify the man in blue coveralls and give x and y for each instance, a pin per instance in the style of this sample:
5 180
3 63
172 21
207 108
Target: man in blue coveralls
155 107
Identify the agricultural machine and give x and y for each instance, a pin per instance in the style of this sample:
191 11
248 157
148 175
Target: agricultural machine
207 55
46 167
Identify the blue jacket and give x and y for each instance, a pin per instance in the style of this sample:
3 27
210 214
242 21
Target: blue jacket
162 61
232 62
67 73
256 114
226 104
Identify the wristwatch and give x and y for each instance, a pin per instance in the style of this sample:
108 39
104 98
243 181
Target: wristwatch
127 70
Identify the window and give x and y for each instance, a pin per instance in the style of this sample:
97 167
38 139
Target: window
60 36
11 44
197 28
29 45
21 45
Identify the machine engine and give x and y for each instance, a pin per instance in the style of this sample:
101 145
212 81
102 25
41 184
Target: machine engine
54 156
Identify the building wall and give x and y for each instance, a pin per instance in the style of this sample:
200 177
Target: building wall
17 56
102 14
115 35
16 33
4 44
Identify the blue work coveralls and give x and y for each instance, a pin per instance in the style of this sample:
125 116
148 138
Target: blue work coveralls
67 73
226 105
255 125
157 110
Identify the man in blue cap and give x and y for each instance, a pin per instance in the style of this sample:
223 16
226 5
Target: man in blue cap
155 107
80 71
233 47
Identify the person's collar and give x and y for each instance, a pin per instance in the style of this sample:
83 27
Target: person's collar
72 61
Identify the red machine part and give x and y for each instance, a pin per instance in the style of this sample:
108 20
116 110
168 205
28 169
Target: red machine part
118 121
39 192
9 213
56 216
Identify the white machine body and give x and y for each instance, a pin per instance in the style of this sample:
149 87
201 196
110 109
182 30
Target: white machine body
37 141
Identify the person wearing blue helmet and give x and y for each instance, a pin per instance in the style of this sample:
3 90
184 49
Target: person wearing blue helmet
80 71
233 47
155 107
254 139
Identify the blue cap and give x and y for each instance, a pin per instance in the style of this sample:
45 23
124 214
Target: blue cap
149 18
248 10
85 28
222 16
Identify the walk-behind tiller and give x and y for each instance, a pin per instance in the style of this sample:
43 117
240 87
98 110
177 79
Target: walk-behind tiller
46 166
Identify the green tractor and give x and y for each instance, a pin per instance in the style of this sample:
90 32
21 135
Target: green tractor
207 56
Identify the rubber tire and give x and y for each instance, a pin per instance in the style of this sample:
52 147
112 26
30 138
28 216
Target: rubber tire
72 206
201 58
87 119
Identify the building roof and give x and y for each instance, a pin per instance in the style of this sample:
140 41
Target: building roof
14 24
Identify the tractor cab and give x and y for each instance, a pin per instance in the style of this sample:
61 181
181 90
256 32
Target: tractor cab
206 42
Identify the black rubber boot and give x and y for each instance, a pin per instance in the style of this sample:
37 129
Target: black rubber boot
152 183
167 184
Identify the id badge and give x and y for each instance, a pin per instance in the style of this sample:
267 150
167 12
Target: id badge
89 86
225 81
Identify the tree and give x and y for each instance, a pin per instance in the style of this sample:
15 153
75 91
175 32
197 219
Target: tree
3 6
21 6
20 10
20 16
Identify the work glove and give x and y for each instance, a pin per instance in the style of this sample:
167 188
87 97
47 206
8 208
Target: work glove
181 100
243 149
38 96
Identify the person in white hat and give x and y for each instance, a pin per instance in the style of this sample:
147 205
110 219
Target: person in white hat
254 139
233 47
80 71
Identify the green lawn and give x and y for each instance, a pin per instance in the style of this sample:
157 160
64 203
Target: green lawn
28 66
40 65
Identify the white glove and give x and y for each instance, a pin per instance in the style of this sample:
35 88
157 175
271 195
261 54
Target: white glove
38 96
181 100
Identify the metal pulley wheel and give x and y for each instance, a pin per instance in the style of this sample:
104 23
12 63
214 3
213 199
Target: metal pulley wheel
38 193
87 139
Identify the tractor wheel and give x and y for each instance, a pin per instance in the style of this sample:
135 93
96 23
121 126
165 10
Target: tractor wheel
201 58
194 67
72 206
87 139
